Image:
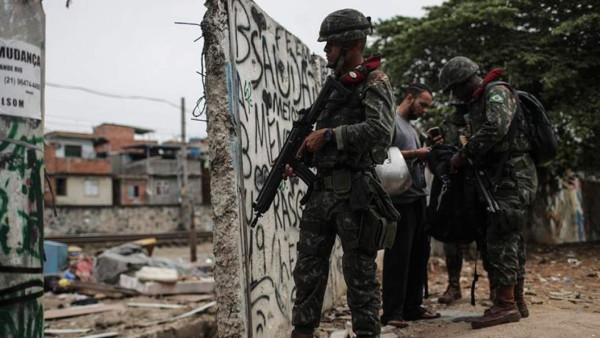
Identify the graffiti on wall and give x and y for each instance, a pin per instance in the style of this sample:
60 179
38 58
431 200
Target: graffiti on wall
21 224
566 214
273 77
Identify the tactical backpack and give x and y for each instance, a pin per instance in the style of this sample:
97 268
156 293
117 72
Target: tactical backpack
453 214
543 140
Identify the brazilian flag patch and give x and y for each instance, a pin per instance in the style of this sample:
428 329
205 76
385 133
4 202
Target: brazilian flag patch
496 98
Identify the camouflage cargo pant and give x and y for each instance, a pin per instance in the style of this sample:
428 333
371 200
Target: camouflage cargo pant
454 253
505 244
325 216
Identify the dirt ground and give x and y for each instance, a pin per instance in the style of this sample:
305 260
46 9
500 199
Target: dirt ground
562 290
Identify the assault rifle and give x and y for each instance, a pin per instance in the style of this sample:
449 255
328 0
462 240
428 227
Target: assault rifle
300 130
491 204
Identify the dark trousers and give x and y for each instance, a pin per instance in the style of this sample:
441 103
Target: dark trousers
405 264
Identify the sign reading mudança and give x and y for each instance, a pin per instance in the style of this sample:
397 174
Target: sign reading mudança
20 79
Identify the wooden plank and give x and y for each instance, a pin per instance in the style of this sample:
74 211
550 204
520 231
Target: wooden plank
204 285
81 310
155 305
102 288
66 331
183 315
191 298
103 335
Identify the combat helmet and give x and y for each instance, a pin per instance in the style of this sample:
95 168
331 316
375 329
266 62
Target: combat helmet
455 71
344 25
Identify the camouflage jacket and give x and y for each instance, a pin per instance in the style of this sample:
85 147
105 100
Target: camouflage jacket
490 117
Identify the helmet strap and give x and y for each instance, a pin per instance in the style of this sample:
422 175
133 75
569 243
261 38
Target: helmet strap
339 63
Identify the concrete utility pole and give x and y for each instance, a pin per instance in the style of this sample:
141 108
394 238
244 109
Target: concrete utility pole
22 37
187 212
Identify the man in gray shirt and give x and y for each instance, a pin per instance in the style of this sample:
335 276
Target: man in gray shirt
405 264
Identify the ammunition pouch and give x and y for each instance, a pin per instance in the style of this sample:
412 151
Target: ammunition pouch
337 180
376 231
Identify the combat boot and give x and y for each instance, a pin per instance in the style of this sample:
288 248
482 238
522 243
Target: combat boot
519 299
504 311
454 265
452 293
492 294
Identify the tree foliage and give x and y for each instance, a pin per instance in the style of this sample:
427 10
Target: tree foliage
550 48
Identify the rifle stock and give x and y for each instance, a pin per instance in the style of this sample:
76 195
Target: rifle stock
300 130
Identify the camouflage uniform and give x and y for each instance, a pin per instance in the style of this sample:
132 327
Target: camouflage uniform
363 128
453 128
490 118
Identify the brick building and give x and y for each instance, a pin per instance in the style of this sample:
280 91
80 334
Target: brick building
77 176
118 136
111 167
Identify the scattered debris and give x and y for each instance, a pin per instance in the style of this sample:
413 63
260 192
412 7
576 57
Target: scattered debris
104 322
573 297
81 310
84 301
530 293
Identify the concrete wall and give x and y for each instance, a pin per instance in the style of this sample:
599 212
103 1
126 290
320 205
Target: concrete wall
76 191
130 219
21 166
268 75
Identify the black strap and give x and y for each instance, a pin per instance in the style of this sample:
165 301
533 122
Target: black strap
475 279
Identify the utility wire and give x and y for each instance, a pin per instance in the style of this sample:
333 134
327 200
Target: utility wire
115 96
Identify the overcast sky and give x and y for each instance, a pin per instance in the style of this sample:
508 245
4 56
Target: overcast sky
134 48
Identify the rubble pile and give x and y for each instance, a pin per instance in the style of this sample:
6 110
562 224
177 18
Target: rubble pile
124 291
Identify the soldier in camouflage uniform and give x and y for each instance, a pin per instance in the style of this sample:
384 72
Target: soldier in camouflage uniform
491 111
452 129
455 133
349 139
